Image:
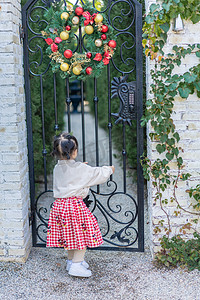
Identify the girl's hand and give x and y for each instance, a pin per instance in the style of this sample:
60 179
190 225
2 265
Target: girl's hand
85 162
113 169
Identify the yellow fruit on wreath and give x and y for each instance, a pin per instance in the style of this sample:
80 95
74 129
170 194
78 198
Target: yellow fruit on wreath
89 29
64 35
64 67
98 18
64 15
77 70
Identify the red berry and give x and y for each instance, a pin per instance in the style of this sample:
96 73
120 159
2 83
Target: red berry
89 55
79 11
68 28
104 28
88 70
68 53
112 44
103 37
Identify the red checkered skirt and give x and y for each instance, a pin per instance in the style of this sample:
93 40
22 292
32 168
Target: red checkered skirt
72 225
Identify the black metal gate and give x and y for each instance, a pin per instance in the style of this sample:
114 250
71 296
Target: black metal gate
119 210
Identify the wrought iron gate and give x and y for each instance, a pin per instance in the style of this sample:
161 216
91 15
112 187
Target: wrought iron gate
119 210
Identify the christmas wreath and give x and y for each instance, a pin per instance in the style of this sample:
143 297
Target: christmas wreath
96 47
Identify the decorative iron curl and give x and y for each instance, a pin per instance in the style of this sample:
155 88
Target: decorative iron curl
109 182
124 88
44 231
38 20
107 213
42 209
36 48
119 207
123 239
128 60
120 19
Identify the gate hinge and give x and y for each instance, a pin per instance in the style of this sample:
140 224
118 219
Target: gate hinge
31 216
21 33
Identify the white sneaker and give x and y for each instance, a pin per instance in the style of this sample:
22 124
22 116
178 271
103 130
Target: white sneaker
69 262
77 269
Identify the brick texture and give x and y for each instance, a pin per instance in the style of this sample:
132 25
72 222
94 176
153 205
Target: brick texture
15 239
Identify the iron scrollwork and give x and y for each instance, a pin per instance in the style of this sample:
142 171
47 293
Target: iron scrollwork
42 213
124 234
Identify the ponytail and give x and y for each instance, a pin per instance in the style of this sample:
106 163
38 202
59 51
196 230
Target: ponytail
64 145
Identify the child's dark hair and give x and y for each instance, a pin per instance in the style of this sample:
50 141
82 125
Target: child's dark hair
64 145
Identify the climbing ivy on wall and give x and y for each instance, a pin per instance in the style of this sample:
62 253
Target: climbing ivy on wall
166 85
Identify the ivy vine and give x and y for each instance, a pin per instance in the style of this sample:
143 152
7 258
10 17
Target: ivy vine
166 85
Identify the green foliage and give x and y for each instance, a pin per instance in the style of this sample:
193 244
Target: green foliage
157 22
195 193
159 109
178 252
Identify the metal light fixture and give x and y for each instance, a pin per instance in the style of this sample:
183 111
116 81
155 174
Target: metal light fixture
178 24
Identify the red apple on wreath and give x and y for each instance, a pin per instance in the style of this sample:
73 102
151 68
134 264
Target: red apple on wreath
79 11
104 28
68 53
112 44
88 70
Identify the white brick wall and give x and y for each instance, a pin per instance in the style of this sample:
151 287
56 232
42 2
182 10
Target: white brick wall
15 233
187 124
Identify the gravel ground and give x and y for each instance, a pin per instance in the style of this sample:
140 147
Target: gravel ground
116 275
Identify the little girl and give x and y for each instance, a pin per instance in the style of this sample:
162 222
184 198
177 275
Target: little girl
71 224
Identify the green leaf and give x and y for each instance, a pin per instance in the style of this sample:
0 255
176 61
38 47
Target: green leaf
197 85
153 7
149 102
173 93
160 148
175 151
189 77
165 27
198 54
176 136
180 160
166 6
184 92
163 36
171 141
172 86
149 19
164 138
169 156
195 18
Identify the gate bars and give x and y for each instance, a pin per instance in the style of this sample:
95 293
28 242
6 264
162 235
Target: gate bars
131 107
